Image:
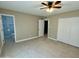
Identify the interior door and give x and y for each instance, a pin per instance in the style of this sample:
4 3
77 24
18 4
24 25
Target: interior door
1 34
8 28
41 28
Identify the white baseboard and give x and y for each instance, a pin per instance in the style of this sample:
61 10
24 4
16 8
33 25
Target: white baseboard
26 39
63 42
52 38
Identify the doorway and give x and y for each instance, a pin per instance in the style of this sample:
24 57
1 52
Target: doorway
8 29
45 28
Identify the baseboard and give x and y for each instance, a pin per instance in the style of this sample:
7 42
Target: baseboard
52 38
63 42
69 43
26 39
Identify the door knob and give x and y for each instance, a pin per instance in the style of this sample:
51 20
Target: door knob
8 29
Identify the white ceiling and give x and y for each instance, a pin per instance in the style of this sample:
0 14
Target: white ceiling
33 7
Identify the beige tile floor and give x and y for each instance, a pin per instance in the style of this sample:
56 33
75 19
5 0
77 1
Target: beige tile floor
40 48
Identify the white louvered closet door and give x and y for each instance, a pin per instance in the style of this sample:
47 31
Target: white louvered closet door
68 31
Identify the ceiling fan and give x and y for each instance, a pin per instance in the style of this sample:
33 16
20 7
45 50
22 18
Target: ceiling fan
50 5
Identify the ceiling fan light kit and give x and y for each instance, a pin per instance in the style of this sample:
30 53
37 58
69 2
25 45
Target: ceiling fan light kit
49 10
51 5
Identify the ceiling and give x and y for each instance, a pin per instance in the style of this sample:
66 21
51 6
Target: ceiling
33 7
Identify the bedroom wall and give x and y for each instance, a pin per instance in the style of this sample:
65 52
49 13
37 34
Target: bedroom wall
53 22
26 25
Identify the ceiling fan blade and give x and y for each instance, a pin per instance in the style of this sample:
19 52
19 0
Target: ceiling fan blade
57 2
44 4
54 3
57 7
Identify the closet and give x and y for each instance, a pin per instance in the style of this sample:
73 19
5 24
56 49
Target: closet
68 31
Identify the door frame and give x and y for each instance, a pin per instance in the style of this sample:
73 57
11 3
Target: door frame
43 28
14 25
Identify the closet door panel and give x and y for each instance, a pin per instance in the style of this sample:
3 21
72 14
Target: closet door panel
64 30
68 31
75 33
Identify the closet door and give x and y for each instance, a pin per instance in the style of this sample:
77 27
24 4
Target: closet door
75 32
68 31
64 27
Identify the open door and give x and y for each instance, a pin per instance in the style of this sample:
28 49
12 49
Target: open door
41 28
1 35
8 29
